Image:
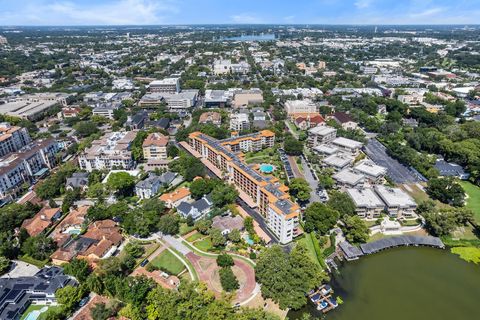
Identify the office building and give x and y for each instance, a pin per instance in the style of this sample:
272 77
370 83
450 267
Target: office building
300 106
106 109
33 106
168 85
112 151
265 193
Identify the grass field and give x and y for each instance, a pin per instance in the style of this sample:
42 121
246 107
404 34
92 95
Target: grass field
168 262
194 237
204 244
184 229
36 307
473 200
307 240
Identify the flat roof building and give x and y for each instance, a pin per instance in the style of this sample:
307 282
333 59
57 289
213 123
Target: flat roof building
348 179
167 85
338 161
300 106
348 145
397 202
372 171
367 203
321 135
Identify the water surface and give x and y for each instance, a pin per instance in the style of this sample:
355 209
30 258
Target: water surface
406 283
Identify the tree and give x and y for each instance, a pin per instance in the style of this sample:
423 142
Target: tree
4 264
69 296
355 229
96 190
85 128
100 312
172 151
292 146
442 223
224 194
137 145
342 203
70 197
200 187
235 236
300 189
218 240
286 277
203 226
39 247
320 218
228 280
121 182
134 249
225 260
78 268
169 224
189 167
447 190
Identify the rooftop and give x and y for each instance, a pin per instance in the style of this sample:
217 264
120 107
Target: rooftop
394 197
365 198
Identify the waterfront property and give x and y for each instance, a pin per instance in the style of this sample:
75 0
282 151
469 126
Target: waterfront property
225 159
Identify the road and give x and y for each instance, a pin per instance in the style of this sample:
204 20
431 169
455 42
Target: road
309 177
398 172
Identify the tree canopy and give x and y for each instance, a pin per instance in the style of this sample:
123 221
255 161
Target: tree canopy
320 218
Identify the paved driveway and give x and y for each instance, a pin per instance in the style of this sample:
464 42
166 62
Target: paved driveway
398 172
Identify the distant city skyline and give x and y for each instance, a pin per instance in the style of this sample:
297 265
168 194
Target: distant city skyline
151 12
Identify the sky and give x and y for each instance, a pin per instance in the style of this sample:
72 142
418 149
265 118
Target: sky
153 12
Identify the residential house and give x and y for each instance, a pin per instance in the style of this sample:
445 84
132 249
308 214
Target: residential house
41 221
174 198
147 188
227 224
345 120
196 209
78 180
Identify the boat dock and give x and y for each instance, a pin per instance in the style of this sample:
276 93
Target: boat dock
322 298
351 252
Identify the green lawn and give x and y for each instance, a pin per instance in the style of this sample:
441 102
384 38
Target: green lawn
35 262
307 240
195 236
166 261
473 200
34 307
184 228
204 244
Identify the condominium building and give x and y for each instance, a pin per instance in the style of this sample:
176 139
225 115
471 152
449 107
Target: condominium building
300 106
373 172
25 166
12 138
239 121
106 109
263 192
168 85
112 151
33 106
155 146
397 202
347 145
225 66
321 135
367 203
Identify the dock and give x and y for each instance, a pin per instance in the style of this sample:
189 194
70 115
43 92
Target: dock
351 252
322 298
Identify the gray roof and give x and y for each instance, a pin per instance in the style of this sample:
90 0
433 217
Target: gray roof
391 242
16 294
78 180
448 169
149 182
168 177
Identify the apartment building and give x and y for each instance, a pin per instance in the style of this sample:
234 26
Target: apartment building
250 142
347 145
106 109
397 202
373 172
25 166
112 151
155 146
239 121
225 66
265 193
300 106
367 203
167 85
321 135
12 138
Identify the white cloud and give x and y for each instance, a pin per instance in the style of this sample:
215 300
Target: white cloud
427 13
363 4
246 18
289 19
123 12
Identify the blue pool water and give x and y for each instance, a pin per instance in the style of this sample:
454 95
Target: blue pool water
248 240
266 168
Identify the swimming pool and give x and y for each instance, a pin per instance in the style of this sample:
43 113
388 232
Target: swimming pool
266 168
248 240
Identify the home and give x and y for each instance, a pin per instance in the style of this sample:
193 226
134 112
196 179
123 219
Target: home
367 203
345 120
41 221
72 224
174 198
147 188
78 180
397 202
227 224
197 209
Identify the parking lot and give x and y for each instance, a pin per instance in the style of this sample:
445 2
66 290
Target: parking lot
398 172
286 164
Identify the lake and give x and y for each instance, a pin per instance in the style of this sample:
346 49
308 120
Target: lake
405 283
252 37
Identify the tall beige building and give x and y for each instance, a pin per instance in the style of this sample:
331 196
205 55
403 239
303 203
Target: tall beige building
155 146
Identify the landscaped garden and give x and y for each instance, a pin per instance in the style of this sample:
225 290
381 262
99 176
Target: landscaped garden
36 312
167 262
473 199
